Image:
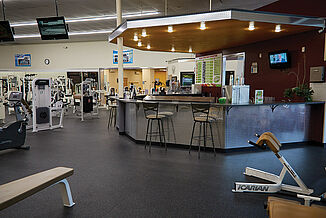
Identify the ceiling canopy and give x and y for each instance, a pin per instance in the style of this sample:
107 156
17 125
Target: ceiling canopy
202 32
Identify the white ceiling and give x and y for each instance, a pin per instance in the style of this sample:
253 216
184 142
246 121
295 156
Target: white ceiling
18 11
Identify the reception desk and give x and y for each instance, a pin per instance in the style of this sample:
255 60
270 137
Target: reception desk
290 122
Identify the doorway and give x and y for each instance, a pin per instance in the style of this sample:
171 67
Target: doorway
233 68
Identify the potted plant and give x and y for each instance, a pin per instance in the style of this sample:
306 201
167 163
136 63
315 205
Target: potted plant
302 91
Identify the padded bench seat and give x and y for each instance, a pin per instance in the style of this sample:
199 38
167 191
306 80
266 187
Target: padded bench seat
282 208
15 191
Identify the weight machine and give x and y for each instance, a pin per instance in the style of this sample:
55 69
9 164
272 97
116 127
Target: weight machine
2 101
43 108
89 98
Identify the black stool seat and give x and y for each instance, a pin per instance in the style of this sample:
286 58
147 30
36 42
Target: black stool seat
112 114
201 115
152 114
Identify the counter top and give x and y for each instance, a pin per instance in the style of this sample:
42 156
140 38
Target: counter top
215 104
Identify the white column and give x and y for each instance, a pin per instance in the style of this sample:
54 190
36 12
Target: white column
120 50
166 7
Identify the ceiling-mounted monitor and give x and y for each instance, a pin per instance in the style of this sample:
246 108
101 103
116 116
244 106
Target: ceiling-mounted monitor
279 59
52 28
6 34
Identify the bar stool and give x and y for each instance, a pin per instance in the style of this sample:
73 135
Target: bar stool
168 116
200 114
152 114
112 113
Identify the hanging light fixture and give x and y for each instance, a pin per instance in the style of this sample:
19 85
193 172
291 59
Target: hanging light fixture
251 25
143 33
278 28
135 37
139 43
170 29
190 49
173 49
202 25
148 46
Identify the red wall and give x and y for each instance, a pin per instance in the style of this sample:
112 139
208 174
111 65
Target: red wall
274 81
300 7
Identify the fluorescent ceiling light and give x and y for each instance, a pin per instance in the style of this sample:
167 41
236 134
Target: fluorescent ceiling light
27 36
90 32
70 34
91 18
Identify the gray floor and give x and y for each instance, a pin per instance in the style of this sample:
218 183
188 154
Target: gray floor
115 177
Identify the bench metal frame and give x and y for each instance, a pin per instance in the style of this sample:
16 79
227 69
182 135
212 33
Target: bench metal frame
267 139
276 179
65 193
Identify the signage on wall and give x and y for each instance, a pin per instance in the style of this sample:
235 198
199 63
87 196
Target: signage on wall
128 56
254 67
23 60
259 96
209 69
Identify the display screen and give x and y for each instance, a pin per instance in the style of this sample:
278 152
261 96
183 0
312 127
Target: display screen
5 32
280 59
187 79
52 28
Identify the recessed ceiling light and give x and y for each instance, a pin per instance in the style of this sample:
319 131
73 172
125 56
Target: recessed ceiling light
173 49
202 25
170 29
148 46
278 28
190 49
135 37
143 33
139 44
251 25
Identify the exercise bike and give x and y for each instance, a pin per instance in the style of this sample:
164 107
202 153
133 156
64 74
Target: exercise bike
13 134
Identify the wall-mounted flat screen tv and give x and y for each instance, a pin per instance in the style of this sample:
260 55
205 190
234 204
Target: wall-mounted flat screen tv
5 32
187 79
52 28
279 59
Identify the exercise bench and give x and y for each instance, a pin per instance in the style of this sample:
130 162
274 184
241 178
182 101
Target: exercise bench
283 208
15 191
267 139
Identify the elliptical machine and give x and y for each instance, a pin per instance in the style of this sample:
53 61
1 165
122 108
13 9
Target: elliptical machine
13 134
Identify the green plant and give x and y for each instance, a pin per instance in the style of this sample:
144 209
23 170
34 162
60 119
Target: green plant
303 90
288 93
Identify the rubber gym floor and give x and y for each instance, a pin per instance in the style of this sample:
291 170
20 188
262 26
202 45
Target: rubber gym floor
114 177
